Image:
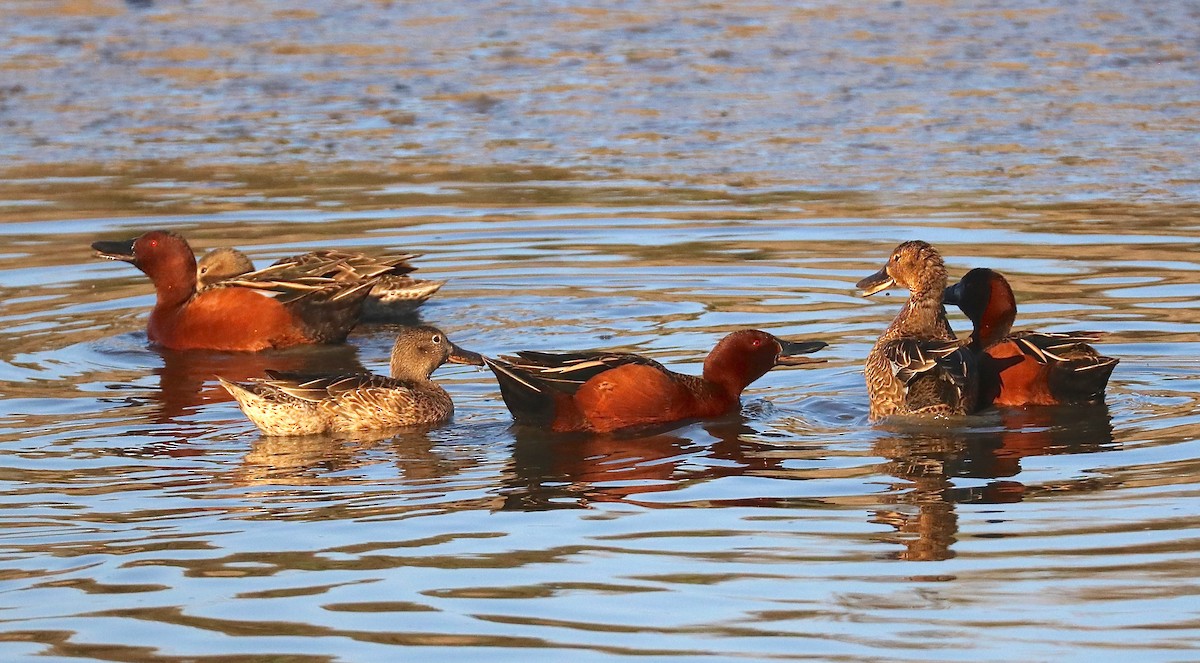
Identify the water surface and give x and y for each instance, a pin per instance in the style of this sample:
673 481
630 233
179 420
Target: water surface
643 177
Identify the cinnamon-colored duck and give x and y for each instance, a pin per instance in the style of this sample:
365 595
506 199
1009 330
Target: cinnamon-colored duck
607 391
1026 367
918 366
394 295
299 404
274 307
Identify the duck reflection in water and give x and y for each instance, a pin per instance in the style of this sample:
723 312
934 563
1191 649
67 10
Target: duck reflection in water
420 457
572 470
927 461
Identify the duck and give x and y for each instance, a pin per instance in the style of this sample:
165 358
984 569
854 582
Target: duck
395 295
1026 367
275 307
604 392
291 404
918 366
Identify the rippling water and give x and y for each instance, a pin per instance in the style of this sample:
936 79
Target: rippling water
644 177
145 519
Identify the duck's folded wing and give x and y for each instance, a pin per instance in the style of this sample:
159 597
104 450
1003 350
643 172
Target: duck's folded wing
287 289
568 370
347 265
937 375
912 358
1050 347
314 388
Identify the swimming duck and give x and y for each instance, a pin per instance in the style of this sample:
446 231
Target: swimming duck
299 404
274 307
1026 367
608 391
918 366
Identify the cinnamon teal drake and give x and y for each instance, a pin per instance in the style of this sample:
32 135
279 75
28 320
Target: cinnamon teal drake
275 307
395 294
298 404
608 391
1026 367
918 366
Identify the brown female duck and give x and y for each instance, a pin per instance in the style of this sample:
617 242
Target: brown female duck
297 404
1026 367
918 366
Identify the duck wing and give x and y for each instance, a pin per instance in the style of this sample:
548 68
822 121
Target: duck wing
939 376
1049 347
316 388
539 387
1078 373
567 371
347 265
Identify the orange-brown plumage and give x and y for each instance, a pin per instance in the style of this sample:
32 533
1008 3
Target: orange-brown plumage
1026 368
260 310
603 392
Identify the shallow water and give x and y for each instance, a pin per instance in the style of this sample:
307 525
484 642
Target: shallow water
601 178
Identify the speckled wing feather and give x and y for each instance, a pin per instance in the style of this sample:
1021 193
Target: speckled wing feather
347 265
936 375
295 290
314 388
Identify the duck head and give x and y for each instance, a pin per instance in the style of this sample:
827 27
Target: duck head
746 355
220 264
914 265
162 255
986 298
420 349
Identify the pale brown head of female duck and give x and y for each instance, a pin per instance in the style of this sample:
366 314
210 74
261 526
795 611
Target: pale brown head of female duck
914 265
220 264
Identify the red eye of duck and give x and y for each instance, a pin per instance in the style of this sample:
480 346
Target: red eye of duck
153 243
756 342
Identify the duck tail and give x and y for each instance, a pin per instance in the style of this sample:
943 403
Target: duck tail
270 415
1083 380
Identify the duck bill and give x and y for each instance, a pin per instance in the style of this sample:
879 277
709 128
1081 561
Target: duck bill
880 280
115 250
460 356
791 353
953 294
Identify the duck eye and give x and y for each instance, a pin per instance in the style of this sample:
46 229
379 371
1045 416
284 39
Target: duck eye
756 342
437 339
153 243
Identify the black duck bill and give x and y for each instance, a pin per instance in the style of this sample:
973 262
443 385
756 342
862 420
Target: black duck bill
880 280
115 250
791 353
461 356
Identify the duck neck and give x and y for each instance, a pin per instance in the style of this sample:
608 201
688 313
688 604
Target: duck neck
174 289
923 314
729 375
408 371
996 321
